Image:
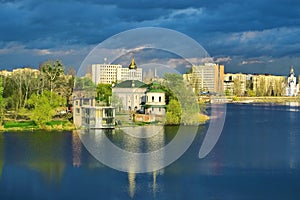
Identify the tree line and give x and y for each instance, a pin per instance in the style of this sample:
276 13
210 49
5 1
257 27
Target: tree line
36 94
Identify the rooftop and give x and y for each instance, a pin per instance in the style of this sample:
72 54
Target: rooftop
131 84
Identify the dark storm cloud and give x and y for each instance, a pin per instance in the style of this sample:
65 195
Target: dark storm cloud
225 28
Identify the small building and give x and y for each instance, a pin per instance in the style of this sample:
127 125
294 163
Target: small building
87 115
155 102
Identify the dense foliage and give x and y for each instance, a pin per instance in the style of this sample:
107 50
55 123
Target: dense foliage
35 94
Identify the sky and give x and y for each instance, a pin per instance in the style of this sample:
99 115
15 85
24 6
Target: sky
249 36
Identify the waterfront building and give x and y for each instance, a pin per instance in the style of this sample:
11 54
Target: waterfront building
207 78
109 73
88 115
292 87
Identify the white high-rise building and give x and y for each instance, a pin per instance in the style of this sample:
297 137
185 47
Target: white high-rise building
104 73
108 73
206 78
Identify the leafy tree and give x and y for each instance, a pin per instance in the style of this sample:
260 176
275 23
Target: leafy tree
104 93
185 96
42 109
250 93
261 87
173 113
237 87
52 71
84 87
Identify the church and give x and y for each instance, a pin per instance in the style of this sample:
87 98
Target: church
135 96
292 87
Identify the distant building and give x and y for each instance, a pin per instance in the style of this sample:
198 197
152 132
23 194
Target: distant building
104 73
232 80
292 87
258 84
109 73
34 72
206 78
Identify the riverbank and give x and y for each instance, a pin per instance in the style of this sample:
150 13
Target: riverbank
282 99
27 125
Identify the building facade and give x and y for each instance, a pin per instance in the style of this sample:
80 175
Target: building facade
104 73
235 84
155 102
87 115
207 78
130 94
109 73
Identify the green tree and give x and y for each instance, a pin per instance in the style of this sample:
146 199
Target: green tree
261 87
104 93
173 113
52 71
42 109
250 93
185 96
237 87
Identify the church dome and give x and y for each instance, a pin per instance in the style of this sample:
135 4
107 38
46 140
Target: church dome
132 64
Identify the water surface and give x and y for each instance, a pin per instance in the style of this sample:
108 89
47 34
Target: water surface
256 157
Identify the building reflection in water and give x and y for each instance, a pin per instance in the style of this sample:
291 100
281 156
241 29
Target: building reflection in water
137 137
76 149
98 142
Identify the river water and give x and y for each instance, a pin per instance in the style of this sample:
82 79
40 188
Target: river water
256 157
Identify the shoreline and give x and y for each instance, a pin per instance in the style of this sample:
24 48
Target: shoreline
264 99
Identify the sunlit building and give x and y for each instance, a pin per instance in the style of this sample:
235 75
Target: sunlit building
207 78
109 73
23 71
104 73
130 93
267 85
235 83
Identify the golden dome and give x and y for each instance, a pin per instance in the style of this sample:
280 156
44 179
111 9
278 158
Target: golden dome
132 64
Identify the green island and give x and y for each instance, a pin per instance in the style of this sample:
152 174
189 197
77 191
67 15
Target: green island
41 99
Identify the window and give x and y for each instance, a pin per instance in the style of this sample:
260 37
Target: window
159 109
152 98
159 99
77 110
152 109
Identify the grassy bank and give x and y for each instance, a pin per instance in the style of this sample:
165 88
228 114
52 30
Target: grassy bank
57 125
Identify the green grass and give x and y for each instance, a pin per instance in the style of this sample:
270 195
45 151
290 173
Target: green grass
19 124
56 122
29 125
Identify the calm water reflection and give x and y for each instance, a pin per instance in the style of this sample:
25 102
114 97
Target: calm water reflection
257 157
